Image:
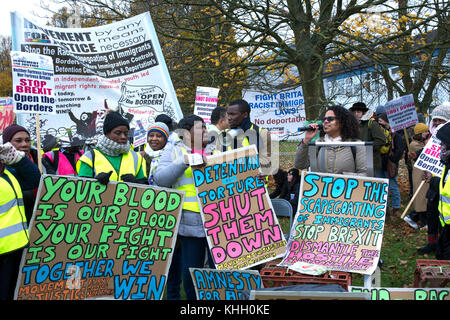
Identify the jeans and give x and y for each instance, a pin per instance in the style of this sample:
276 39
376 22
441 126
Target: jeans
394 200
192 254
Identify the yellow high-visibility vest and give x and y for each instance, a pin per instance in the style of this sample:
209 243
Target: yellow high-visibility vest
13 222
186 183
131 164
444 199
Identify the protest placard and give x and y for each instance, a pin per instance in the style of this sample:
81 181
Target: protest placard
339 222
377 293
33 83
241 226
121 62
6 113
88 240
205 102
139 135
281 113
211 284
430 157
401 113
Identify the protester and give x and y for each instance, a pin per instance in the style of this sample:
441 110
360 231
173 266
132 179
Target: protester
219 125
392 160
63 161
244 133
418 216
339 125
370 131
17 174
112 158
174 171
19 137
439 116
171 124
157 137
443 242
281 185
293 187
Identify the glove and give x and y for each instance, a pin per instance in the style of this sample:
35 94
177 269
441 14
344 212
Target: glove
9 154
128 178
103 177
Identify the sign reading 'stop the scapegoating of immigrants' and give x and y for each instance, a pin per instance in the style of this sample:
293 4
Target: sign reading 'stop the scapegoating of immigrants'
89 241
339 222
241 226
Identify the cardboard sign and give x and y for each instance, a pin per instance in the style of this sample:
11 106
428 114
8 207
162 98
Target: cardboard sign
211 284
405 293
241 226
205 102
33 83
401 113
89 241
430 157
339 222
6 113
281 113
121 62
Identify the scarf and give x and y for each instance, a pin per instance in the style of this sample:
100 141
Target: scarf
111 148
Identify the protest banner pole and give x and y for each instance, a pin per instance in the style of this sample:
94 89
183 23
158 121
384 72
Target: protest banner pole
38 142
412 199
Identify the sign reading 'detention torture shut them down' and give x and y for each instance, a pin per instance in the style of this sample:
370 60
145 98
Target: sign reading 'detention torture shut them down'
91 241
121 62
339 222
241 226
211 284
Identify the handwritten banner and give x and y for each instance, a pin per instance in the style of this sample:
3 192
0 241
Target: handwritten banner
401 112
405 293
241 226
211 284
89 241
339 222
33 83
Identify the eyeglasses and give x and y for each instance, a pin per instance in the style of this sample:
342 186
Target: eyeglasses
329 119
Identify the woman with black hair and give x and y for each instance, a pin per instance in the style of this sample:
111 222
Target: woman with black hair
339 125
293 187
280 178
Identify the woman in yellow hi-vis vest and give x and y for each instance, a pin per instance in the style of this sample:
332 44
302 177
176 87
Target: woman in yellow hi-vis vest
17 174
112 158
174 171
443 242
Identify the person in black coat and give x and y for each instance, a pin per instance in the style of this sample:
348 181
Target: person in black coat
280 178
293 187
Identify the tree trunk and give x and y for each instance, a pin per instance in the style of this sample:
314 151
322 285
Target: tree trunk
313 91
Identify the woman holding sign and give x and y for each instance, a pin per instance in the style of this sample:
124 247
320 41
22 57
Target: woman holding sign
339 125
174 170
112 158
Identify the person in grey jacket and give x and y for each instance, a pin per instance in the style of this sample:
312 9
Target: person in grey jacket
339 125
174 171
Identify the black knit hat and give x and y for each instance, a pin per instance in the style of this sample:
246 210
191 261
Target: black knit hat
443 134
113 120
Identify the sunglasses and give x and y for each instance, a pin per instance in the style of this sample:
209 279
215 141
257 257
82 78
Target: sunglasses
329 119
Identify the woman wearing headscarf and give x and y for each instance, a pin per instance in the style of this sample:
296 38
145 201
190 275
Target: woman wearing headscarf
112 158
